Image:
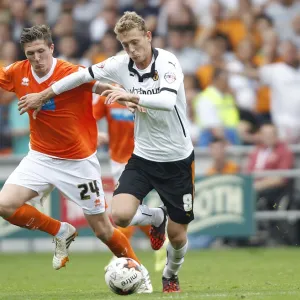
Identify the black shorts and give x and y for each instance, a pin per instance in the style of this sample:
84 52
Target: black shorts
173 181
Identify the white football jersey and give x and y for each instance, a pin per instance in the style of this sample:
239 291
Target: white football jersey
160 136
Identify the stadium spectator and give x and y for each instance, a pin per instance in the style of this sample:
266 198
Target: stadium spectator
104 22
295 34
66 26
190 58
243 88
282 12
220 163
216 112
270 154
216 56
192 89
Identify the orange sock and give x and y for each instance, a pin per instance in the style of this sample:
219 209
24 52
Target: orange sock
29 217
146 230
128 231
120 246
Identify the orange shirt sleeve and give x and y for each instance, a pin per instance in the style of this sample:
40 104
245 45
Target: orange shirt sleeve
99 108
6 78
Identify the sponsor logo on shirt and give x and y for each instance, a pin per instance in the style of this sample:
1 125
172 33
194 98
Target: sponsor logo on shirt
121 114
49 105
25 81
170 77
147 92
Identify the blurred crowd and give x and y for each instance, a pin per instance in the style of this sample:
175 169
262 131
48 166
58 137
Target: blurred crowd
240 59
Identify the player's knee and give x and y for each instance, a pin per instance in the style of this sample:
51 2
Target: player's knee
6 210
177 238
122 220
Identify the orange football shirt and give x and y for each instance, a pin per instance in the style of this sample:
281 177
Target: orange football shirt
65 126
229 168
120 129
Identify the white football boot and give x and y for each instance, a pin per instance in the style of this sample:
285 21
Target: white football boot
146 286
62 245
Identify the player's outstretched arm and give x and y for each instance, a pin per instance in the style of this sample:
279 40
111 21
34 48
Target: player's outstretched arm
37 100
157 101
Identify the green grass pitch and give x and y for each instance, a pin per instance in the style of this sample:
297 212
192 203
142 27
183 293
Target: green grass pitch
264 274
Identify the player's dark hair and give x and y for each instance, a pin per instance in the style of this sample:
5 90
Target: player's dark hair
37 32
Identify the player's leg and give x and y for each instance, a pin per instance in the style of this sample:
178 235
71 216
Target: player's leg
14 209
27 182
80 182
177 193
116 171
133 187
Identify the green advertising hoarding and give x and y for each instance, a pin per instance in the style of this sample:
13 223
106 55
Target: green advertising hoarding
223 206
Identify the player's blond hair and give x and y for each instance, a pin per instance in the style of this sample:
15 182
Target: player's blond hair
37 32
128 21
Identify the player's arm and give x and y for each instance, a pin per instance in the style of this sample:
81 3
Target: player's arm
157 101
95 72
171 79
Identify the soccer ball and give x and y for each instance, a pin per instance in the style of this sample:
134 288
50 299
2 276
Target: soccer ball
123 276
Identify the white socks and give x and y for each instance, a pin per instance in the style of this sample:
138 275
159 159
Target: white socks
62 230
147 216
175 259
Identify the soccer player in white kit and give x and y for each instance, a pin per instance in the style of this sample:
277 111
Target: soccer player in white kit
163 157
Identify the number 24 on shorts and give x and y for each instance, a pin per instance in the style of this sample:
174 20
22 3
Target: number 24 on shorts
187 202
91 187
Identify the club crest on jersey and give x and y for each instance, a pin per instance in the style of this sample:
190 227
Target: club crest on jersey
155 76
25 81
101 65
170 77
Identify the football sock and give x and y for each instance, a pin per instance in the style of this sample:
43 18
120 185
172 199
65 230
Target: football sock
29 217
127 231
120 246
175 259
146 230
62 230
147 216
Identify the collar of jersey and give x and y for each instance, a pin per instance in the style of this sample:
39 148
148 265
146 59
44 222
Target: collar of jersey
47 76
146 75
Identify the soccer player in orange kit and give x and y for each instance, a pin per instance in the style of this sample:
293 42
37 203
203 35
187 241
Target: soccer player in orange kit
63 143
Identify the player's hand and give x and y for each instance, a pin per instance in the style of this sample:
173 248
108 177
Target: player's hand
118 95
132 107
102 138
30 101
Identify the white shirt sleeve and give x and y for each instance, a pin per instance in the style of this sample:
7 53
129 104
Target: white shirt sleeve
106 70
208 114
156 101
266 72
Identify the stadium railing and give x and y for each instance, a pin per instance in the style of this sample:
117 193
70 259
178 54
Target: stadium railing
237 153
